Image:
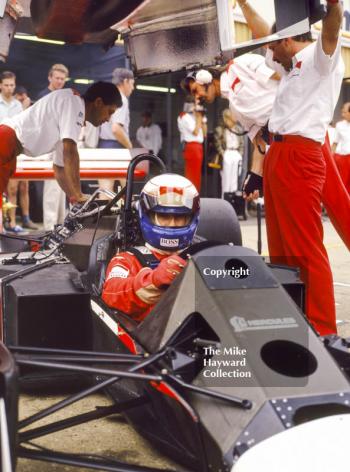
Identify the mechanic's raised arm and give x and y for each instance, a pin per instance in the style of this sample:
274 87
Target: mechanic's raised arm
331 25
258 26
69 176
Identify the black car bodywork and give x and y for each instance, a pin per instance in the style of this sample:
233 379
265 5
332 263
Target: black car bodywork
163 373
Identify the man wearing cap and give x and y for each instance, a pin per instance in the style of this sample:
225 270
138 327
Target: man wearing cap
250 86
192 126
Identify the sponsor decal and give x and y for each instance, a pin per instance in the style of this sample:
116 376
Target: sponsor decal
241 324
118 271
169 242
114 327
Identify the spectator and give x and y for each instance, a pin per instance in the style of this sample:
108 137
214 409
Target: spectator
57 77
21 95
115 133
149 135
54 198
9 107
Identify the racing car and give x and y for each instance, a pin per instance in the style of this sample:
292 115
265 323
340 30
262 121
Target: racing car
220 367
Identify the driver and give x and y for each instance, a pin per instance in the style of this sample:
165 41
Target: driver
168 216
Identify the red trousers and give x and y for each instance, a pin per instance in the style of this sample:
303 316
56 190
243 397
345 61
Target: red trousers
294 179
7 156
193 155
335 197
343 164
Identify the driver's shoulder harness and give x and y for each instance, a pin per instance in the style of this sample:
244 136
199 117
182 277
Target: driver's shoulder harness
145 257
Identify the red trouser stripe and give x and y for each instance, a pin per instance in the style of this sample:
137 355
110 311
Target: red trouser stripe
193 155
7 155
294 178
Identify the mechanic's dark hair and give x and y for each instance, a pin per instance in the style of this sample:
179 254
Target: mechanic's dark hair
7 75
185 83
301 38
108 92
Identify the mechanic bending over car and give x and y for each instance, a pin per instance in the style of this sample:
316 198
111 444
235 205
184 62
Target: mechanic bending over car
54 123
168 216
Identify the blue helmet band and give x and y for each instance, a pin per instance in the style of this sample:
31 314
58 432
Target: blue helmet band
168 238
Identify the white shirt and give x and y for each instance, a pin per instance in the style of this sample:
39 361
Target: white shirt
186 123
248 86
232 140
120 116
57 116
9 109
307 94
342 137
150 137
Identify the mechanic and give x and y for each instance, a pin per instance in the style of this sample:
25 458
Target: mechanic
53 122
295 167
168 215
192 125
251 88
341 146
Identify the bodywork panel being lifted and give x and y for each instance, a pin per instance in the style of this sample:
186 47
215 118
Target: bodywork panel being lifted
163 36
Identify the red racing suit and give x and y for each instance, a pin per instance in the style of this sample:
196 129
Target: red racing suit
134 289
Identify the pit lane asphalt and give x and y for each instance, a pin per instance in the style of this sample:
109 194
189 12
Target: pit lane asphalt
113 436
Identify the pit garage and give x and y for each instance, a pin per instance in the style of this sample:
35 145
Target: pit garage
226 372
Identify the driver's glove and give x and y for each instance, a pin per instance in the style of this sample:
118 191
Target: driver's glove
167 270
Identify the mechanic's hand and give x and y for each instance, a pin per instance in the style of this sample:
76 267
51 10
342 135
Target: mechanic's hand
167 270
252 186
80 198
77 203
